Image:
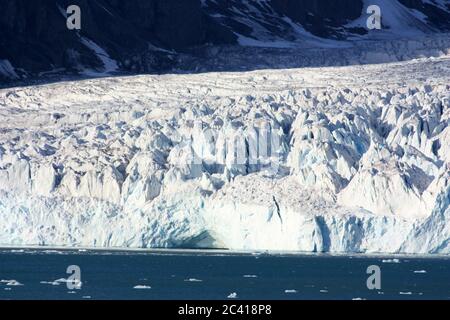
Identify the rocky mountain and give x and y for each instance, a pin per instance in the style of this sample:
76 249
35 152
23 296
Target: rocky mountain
35 38
149 35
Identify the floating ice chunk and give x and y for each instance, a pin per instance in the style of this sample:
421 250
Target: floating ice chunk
420 271
53 283
232 295
11 283
142 287
193 280
390 261
75 282
290 291
53 252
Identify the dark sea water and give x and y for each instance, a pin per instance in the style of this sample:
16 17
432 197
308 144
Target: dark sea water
40 274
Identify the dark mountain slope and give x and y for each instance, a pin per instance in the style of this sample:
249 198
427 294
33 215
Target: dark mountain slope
146 35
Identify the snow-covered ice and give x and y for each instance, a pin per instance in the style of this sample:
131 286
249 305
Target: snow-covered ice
358 160
76 283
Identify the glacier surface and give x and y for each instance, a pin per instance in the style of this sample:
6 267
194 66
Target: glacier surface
358 161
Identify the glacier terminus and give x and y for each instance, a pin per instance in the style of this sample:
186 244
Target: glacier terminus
362 158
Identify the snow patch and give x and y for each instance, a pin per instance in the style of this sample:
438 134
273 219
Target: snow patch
109 65
7 70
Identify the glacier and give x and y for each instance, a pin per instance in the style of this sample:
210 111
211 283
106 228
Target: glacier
358 161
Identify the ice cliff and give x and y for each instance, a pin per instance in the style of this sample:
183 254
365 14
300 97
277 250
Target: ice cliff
358 160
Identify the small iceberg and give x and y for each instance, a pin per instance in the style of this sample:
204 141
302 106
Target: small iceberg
76 283
290 291
390 261
193 280
11 283
142 287
232 295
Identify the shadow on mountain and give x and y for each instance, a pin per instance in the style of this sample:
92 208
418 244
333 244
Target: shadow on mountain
195 36
233 58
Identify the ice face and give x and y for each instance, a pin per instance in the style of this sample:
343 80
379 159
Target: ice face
348 159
